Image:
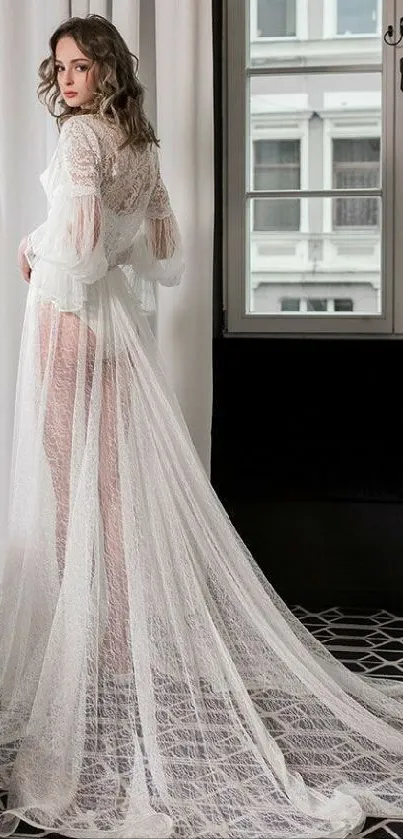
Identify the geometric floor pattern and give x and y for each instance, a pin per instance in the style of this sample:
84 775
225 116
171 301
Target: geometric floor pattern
366 641
369 643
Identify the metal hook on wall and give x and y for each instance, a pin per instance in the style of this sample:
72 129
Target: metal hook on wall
390 33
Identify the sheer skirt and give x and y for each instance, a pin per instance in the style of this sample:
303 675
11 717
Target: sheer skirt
152 681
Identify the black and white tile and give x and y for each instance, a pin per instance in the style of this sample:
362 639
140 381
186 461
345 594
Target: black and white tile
365 641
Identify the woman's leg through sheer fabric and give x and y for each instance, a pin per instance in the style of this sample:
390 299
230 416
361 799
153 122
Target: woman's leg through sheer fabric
115 649
63 338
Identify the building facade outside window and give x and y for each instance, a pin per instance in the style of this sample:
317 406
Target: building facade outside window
313 124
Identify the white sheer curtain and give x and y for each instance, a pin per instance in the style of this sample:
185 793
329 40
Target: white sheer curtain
174 44
184 74
26 141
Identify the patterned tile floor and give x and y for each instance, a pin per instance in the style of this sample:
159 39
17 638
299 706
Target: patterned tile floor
366 642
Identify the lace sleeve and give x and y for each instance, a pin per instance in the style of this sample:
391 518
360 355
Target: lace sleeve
157 251
67 251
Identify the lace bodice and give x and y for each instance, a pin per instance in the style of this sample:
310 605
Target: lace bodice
107 207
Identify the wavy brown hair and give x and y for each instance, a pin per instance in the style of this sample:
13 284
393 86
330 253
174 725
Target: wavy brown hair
119 95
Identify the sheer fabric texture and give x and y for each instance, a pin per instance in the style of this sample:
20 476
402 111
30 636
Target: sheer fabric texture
153 683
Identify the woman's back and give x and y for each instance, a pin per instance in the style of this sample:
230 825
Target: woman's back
129 175
108 207
126 178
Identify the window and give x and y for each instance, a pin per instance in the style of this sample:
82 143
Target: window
290 304
357 17
313 304
356 164
343 305
313 174
276 18
316 304
276 166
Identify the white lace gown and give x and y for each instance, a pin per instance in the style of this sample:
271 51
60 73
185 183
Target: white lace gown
153 683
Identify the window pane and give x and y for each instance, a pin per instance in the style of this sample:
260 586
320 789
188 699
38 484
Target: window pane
276 214
284 177
356 150
276 152
316 304
343 305
290 304
276 18
356 212
276 166
318 35
357 17
356 164
330 270
314 132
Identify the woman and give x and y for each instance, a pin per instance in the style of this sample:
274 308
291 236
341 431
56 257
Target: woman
152 682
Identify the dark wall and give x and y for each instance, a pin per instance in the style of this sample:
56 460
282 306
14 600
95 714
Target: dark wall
307 441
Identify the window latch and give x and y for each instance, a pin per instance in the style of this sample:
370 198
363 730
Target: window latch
390 32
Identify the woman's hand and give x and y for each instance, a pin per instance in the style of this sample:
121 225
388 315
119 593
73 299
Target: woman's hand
23 264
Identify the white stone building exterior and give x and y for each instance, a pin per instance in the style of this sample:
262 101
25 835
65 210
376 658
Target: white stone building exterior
315 131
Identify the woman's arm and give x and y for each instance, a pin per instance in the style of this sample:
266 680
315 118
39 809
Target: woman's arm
157 251
68 248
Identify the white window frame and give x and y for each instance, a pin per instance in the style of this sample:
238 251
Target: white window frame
330 22
301 24
236 258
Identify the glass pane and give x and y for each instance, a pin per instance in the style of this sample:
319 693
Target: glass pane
276 152
343 304
276 164
356 212
290 304
276 214
356 150
276 18
315 131
314 32
315 266
318 255
316 304
357 18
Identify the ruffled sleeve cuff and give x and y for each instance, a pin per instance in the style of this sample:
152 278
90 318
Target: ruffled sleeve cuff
166 270
142 267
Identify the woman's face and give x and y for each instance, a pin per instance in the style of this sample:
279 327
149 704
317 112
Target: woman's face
76 73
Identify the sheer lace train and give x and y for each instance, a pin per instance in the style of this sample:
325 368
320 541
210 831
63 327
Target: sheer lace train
153 682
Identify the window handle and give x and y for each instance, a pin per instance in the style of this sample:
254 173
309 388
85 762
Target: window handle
390 33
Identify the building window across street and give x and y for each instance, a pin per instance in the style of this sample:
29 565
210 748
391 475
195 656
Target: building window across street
316 304
356 164
357 17
277 166
276 18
